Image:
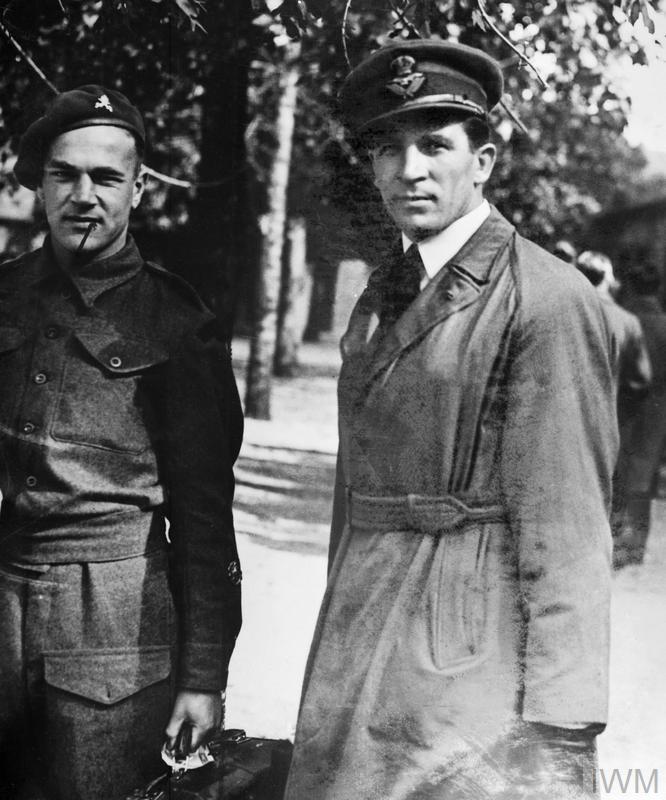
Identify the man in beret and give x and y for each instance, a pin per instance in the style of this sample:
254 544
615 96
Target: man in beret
462 645
118 408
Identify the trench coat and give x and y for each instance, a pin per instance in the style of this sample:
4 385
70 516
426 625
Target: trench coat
469 582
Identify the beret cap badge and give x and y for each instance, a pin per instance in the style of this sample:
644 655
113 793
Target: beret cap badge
406 82
104 102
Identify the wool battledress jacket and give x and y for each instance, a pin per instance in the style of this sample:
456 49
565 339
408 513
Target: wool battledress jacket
118 408
470 573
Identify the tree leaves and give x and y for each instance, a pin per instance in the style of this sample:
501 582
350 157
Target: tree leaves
639 9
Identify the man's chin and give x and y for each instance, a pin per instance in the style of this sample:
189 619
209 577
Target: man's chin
416 227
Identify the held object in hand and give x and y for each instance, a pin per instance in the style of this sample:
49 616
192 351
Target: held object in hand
242 768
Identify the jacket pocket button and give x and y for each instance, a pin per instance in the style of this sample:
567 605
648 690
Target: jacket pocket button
115 362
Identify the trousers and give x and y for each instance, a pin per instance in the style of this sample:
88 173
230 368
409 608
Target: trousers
84 677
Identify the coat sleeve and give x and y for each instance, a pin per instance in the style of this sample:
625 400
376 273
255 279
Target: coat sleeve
339 512
559 450
203 427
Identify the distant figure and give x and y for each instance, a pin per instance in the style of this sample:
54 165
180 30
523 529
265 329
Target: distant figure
648 427
565 251
634 374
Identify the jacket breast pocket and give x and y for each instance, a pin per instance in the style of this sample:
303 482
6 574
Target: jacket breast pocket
457 600
102 399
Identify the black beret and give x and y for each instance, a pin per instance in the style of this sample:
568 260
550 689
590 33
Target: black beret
78 108
410 75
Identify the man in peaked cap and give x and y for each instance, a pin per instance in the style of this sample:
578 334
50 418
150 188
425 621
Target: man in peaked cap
118 408
462 646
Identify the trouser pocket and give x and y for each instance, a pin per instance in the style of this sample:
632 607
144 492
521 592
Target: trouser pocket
106 711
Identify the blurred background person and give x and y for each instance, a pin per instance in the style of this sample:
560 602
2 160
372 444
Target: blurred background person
634 374
646 426
565 251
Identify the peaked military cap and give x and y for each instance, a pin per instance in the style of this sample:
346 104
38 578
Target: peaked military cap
405 76
78 108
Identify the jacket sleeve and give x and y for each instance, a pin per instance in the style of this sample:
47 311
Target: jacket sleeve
203 427
559 450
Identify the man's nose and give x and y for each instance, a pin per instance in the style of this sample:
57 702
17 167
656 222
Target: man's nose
83 191
413 164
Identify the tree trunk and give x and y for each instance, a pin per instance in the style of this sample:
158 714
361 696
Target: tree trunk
217 244
294 301
272 226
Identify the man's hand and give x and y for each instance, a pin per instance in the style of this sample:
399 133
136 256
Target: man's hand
197 712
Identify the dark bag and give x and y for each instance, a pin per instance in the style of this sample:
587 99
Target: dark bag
244 769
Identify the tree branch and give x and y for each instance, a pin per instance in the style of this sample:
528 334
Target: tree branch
27 58
523 58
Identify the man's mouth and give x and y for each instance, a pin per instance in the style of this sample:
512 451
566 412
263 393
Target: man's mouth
75 219
413 198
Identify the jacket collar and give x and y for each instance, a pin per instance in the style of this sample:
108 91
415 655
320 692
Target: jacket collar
455 287
96 277
91 281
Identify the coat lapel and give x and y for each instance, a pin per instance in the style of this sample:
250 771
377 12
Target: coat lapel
457 285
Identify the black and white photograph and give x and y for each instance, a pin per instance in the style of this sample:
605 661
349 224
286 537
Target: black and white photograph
332 399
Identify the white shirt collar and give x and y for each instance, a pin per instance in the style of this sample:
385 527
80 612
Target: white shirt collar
439 249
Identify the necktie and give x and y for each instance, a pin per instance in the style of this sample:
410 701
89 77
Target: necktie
403 285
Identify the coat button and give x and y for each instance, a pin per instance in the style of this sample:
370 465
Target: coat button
40 378
449 294
115 362
28 427
51 332
31 481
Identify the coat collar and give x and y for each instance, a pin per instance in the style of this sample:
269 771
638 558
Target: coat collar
455 287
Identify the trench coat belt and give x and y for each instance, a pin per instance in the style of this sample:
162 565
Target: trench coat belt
420 513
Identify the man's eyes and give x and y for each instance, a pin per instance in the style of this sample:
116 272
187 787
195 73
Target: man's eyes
61 174
433 146
107 180
384 148
429 147
101 179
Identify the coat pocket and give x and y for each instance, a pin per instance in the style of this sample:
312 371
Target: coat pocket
457 600
106 676
101 401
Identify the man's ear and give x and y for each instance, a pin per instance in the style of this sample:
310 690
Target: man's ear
139 186
485 161
40 193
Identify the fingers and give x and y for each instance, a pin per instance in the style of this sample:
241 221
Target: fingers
196 716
